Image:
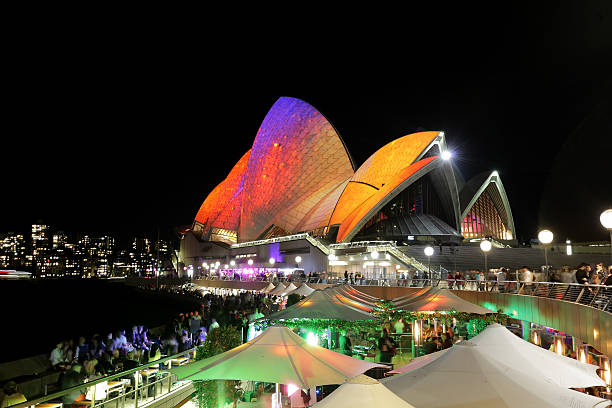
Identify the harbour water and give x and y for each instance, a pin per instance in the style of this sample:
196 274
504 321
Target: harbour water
37 314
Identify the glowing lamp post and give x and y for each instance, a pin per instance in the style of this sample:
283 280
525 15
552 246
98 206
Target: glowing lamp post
545 237
485 246
606 220
429 251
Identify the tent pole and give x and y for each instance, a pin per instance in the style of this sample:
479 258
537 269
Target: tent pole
277 397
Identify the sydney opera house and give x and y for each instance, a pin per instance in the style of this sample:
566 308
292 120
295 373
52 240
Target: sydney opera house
297 194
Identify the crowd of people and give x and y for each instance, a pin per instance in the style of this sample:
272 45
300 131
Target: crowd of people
584 274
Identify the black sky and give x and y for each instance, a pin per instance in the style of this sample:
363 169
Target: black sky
121 141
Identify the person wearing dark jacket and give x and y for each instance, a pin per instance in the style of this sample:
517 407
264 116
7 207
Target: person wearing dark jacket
582 275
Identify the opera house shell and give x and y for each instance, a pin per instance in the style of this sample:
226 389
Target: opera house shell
299 177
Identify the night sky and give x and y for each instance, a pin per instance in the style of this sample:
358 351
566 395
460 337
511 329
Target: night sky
124 145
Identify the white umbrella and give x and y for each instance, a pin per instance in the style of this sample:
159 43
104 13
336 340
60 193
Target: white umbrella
289 289
362 392
466 376
280 356
302 290
498 342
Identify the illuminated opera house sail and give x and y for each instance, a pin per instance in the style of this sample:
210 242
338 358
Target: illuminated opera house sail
299 177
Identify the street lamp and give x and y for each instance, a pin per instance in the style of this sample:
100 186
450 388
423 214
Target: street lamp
606 220
272 261
250 262
429 252
298 259
545 237
486 247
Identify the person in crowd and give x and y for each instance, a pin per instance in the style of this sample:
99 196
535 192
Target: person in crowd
386 346
11 396
450 280
97 347
116 360
582 274
154 353
526 277
459 280
70 379
607 280
352 278
501 280
399 326
346 277
83 350
431 345
70 351
135 336
213 325
104 364
446 341
57 356
476 275
194 324
185 343
600 270
344 343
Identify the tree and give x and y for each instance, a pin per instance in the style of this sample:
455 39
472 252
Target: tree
215 393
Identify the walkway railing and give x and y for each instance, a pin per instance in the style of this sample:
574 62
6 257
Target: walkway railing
315 242
597 296
151 382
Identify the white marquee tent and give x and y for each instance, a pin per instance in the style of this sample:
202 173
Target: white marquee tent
467 376
362 392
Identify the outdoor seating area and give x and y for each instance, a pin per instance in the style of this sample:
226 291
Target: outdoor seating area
341 346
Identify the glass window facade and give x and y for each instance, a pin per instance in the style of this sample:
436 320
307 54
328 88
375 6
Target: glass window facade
483 220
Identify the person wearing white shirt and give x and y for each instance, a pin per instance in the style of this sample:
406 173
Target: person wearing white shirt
57 355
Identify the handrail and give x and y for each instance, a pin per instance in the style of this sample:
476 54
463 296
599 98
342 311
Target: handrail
100 380
315 242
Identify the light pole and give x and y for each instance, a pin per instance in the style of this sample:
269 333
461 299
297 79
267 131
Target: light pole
606 220
545 237
486 247
429 252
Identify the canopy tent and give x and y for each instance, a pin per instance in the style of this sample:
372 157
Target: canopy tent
466 376
278 290
302 290
418 362
362 392
411 297
353 297
442 300
320 305
268 288
349 301
277 356
290 288
351 289
499 343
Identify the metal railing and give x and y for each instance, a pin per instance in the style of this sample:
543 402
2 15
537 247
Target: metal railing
143 386
315 242
597 296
